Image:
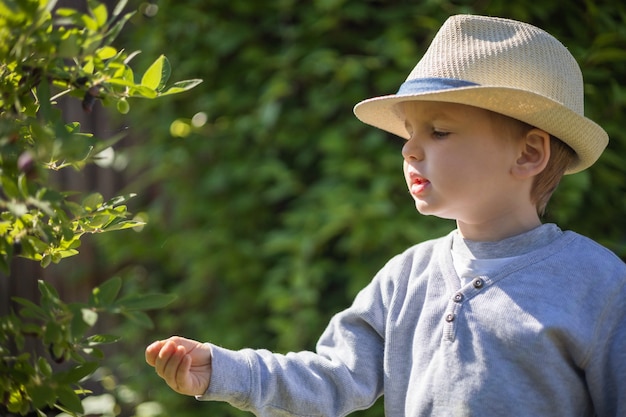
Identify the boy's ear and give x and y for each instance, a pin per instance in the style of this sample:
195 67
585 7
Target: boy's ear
534 154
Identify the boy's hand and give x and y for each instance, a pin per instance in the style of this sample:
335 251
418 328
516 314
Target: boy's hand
184 364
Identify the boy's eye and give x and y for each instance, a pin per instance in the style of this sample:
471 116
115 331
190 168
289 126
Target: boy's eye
409 129
439 134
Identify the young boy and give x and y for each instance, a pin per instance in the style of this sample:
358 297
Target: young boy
502 317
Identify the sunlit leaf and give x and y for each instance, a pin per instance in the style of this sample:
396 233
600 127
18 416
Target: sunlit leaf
92 201
89 316
143 91
106 52
157 74
180 86
123 225
119 7
101 339
99 12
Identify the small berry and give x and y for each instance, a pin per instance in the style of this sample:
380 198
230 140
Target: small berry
26 163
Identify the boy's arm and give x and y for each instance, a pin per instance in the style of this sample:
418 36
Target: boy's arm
344 374
184 364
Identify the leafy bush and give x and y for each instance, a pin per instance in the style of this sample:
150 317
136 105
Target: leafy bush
46 53
273 205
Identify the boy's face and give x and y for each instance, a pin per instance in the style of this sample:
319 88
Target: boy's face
458 166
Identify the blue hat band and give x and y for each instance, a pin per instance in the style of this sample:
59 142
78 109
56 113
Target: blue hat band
431 85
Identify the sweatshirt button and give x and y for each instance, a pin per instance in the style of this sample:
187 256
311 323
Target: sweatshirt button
478 283
458 297
450 318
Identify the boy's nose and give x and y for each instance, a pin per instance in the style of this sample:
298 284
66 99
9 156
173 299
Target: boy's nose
412 150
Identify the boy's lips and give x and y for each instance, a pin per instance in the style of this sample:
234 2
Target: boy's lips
417 183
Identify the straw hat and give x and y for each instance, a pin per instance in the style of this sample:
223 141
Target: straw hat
501 65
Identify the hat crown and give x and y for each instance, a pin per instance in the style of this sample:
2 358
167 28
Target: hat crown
500 52
504 66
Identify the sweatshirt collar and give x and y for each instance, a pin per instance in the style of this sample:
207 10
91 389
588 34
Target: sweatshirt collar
509 247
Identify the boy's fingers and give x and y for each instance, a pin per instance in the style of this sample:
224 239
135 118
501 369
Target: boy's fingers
183 371
161 358
169 360
152 351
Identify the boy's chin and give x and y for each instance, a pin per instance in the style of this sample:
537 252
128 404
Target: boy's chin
426 210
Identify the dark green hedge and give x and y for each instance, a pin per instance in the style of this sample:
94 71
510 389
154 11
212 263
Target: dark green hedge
268 219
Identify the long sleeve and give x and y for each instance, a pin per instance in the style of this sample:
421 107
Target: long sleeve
545 335
345 374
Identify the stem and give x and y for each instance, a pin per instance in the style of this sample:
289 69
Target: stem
61 94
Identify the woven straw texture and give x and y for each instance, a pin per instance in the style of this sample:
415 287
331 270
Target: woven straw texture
518 70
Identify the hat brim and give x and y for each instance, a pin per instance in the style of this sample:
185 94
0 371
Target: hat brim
583 135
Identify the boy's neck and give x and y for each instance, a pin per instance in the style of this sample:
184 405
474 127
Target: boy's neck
498 229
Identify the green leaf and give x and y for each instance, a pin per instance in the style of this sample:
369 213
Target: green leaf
106 52
89 316
9 187
76 209
93 201
145 301
116 28
22 183
53 333
37 244
157 74
181 86
18 209
140 318
30 309
101 339
47 291
123 225
69 400
124 82
89 22
69 46
99 12
44 367
82 320
142 91
119 8
106 293
77 373
50 5
41 395
46 260
59 254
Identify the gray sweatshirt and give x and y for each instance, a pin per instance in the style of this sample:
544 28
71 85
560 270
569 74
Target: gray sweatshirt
544 335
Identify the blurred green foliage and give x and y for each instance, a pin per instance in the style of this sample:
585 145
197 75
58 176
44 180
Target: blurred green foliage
47 52
269 204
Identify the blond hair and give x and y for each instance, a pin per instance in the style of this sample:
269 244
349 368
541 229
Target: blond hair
561 156
544 184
